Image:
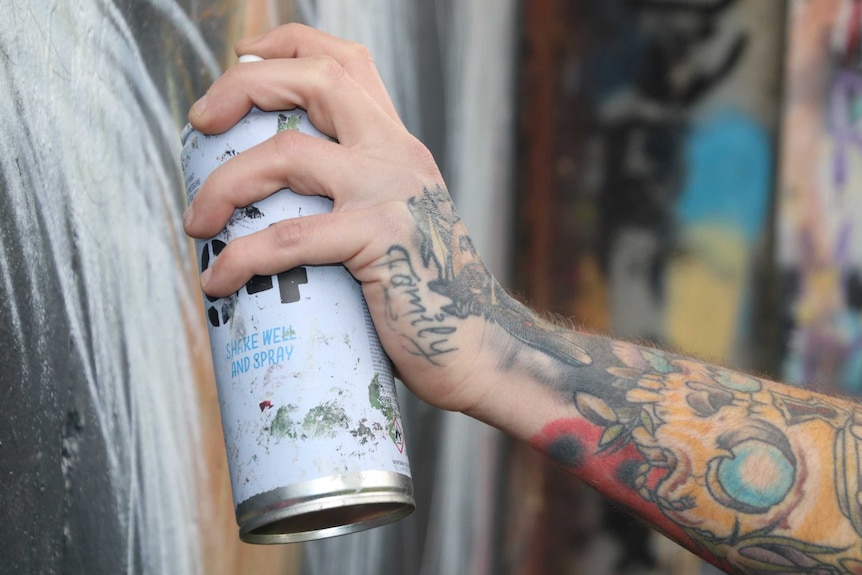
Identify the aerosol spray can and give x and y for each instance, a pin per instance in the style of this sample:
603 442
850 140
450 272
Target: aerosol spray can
314 438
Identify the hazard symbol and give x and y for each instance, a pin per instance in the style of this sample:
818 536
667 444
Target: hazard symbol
398 435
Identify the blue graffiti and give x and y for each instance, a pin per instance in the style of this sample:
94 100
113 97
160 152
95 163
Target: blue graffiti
729 174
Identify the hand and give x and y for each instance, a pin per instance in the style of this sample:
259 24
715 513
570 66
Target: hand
393 224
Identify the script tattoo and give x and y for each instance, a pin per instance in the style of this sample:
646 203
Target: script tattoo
429 334
468 289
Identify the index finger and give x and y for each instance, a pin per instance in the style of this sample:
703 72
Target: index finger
299 41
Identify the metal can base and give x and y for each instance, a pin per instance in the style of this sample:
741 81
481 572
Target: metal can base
326 507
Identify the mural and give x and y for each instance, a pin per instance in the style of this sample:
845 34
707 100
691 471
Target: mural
102 445
648 198
820 249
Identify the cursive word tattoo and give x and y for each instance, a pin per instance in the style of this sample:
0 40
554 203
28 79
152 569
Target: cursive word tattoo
427 334
461 286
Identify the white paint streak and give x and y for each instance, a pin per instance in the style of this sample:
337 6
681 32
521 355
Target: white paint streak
189 32
92 134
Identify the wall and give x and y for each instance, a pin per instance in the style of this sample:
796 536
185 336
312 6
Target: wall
820 251
110 451
648 132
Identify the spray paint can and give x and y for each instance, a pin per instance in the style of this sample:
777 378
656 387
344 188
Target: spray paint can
312 428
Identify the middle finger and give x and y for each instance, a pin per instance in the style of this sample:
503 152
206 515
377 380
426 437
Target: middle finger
336 104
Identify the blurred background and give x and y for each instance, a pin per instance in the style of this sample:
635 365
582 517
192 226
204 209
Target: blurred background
684 172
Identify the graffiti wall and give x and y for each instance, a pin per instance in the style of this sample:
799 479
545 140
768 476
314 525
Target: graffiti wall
106 436
821 197
648 179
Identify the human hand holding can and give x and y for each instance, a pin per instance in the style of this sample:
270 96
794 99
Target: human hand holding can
440 315
314 439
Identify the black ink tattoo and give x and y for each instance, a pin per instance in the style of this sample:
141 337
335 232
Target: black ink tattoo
429 335
464 280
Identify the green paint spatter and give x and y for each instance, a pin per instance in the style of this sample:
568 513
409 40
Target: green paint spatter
363 433
325 420
378 401
282 425
286 122
383 405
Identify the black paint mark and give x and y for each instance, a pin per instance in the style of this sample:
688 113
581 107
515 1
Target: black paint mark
251 213
853 290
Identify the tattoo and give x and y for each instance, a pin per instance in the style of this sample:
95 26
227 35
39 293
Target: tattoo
734 465
429 333
466 288
729 464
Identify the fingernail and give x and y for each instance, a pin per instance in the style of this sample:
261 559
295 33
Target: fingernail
205 277
189 216
200 106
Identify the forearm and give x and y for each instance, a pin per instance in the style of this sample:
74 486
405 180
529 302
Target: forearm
752 475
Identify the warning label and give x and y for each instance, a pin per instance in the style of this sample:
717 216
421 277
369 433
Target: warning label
398 435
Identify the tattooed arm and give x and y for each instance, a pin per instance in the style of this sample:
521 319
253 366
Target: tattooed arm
753 475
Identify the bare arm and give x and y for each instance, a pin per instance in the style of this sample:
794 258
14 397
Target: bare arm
753 475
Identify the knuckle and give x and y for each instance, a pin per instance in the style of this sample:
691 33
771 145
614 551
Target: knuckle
236 78
289 233
293 28
360 53
330 68
286 142
234 74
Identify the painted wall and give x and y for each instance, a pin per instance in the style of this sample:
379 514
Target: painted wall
111 458
649 133
821 197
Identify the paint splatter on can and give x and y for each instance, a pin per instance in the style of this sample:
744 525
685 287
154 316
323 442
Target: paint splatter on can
312 428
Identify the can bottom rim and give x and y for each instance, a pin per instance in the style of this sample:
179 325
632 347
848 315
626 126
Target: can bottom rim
326 507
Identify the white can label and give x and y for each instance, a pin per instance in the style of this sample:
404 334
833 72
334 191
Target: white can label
305 388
